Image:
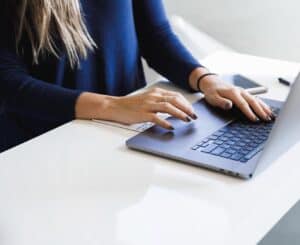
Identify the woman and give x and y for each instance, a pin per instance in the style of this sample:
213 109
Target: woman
61 60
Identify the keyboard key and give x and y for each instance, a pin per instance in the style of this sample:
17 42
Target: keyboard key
253 144
230 151
249 148
218 133
218 151
226 146
196 147
228 135
223 138
236 156
210 142
236 147
258 141
254 152
213 137
226 155
230 142
244 152
203 145
239 135
262 137
223 130
209 148
241 144
219 142
243 160
235 139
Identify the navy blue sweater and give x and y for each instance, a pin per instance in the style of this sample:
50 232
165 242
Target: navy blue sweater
36 98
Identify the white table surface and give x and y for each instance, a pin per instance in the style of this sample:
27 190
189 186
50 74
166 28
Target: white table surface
79 184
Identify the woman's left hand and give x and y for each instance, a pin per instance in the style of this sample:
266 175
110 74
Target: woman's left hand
223 95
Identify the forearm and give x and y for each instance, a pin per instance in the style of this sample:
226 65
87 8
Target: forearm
160 46
27 96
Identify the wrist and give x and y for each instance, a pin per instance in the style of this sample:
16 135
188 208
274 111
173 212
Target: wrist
93 106
200 79
194 76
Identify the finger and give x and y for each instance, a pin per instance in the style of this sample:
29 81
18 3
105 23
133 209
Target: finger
256 106
243 105
219 101
166 107
156 90
170 93
160 122
183 105
176 94
162 95
265 107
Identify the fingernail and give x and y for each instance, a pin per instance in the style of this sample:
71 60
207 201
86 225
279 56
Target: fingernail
171 128
269 119
273 115
257 119
228 106
194 116
188 119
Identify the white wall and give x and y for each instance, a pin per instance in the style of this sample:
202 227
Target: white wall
261 27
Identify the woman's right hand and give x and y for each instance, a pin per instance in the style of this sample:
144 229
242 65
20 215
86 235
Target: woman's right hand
140 108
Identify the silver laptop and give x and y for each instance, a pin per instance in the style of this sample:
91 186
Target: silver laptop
226 141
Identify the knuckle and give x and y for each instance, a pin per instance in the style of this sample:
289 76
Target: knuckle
176 100
248 96
153 96
245 92
165 105
177 94
235 90
153 117
253 100
155 90
147 103
242 103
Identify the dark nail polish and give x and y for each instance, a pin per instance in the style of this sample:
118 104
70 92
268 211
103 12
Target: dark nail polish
171 128
273 116
228 106
194 116
188 119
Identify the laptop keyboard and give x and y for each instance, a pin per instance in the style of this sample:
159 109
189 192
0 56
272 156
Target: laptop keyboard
239 140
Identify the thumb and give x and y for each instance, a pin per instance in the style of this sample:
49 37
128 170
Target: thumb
222 102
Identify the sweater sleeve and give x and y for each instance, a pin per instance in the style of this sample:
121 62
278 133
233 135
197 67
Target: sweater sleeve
160 47
26 95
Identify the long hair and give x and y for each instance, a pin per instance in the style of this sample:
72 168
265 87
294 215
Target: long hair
49 22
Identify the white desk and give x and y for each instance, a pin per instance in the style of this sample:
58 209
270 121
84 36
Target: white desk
79 184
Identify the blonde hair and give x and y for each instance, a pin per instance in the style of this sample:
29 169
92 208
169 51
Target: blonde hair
51 25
